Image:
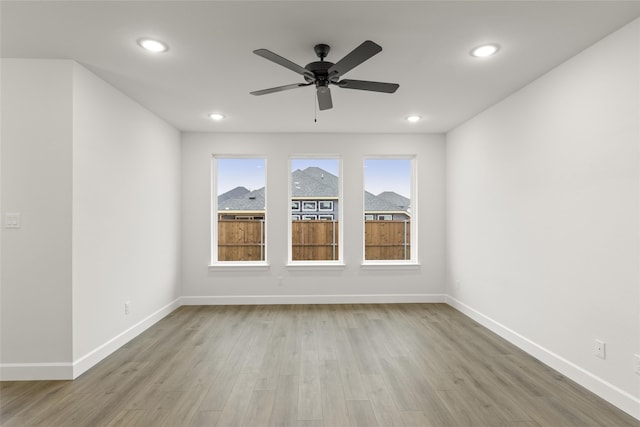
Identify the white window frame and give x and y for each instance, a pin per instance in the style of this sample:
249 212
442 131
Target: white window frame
323 264
213 216
413 213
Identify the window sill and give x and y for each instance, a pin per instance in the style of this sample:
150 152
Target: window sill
253 266
318 265
390 265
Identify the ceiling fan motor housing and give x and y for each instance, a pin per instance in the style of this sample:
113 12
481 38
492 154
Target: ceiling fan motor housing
320 70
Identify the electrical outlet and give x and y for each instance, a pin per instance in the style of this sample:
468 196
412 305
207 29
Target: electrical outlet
636 363
600 348
127 307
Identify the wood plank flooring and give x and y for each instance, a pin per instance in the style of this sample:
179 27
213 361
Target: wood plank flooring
312 365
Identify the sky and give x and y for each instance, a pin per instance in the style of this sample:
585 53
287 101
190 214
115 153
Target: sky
379 174
232 173
388 175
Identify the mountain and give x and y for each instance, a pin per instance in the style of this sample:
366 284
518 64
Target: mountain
233 194
312 182
400 202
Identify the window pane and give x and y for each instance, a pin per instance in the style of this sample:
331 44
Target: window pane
315 189
387 209
240 212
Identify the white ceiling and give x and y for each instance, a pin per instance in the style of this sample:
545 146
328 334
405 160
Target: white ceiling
210 65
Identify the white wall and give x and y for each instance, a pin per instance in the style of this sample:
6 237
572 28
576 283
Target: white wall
126 216
202 285
543 216
96 179
36 182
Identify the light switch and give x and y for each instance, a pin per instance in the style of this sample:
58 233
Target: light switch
12 220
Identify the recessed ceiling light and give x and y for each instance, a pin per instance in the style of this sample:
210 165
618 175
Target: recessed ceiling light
413 118
152 45
485 50
216 116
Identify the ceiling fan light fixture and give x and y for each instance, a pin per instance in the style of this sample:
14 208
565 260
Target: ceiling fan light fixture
216 116
485 50
152 45
322 87
414 118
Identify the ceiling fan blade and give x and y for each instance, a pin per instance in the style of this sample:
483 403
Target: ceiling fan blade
365 85
324 98
274 57
354 58
279 88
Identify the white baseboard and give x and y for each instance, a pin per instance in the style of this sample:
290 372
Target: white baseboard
612 394
312 299
92 358
35 371
70 371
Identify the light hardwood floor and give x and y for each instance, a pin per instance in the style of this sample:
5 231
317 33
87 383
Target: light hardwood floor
312 365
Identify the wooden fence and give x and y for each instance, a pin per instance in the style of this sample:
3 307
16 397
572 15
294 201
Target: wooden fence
244 240
314 240
387 240
241 240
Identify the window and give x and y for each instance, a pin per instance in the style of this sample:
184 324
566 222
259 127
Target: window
239 210
389 210
315 190
309 206
325 205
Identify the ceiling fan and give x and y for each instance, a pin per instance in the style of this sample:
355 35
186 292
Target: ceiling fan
324 73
